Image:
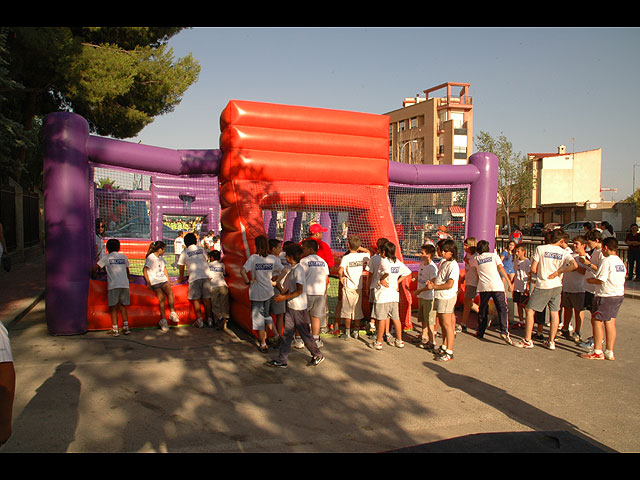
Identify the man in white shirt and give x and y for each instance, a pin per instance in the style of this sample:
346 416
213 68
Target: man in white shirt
549 262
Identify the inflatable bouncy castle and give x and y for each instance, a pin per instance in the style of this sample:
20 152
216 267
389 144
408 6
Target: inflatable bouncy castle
279 168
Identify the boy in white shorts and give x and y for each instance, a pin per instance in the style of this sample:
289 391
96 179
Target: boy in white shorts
316 281
548 263
372 281
196 262
118 278
573 288
446 296
350 274
609 281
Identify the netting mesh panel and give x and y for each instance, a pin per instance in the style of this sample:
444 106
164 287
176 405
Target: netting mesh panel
119 199
126 200
420 212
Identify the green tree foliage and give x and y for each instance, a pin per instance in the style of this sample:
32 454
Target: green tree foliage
515 176
118 78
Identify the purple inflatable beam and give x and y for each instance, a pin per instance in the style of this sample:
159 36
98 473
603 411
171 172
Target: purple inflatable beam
481 174
67 149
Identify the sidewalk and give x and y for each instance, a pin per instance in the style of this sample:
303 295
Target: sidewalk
21 288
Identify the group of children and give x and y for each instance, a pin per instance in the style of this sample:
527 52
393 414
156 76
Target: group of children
207 286
289 282
588 277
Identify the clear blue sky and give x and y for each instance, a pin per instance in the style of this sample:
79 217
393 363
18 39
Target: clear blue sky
540 87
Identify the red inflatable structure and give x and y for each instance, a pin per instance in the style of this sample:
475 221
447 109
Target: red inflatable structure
300 159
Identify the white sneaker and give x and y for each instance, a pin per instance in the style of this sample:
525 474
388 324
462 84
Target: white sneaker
198 323
550 345
298 343
319 343
173 316
163 325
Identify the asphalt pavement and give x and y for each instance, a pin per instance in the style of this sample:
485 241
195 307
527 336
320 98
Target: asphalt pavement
203 390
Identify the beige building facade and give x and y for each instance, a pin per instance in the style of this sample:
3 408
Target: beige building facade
433 130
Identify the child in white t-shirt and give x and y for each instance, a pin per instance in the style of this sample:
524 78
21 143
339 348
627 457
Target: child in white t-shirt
219 290
609 281
277 309
521 283
549 262
195 261
157 278
445 295
264 270
317 280
296 317
391 275
491 285
427 271
118 278
591 261
573 290
351 277
372 281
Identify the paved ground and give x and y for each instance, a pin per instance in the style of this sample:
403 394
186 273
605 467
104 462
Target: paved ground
201 390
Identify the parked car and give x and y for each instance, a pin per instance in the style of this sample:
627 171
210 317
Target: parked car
550 226
533 229
577 228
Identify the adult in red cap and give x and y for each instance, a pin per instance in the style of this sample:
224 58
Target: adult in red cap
324 250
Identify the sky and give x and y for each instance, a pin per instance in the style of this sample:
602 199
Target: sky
540 87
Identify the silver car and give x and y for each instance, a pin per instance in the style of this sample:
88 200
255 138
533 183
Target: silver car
577 228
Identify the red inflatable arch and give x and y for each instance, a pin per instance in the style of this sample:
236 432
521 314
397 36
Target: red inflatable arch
300 159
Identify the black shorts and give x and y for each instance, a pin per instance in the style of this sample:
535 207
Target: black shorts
606 308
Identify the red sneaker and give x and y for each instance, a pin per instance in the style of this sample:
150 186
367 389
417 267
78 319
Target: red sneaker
593 356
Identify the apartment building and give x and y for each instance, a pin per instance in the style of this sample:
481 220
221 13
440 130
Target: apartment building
433 130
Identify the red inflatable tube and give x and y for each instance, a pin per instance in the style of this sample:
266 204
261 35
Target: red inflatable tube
144 310
290 117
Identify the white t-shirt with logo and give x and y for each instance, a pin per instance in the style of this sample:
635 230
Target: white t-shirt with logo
262 269
613 273
116 264
155 269
296 277
217 271
316 270
486 265
195 261
573 282
394 271
523 275
428 271
447 269
550 258
353 264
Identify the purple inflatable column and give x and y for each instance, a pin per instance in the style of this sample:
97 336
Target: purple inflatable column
67 217
483 197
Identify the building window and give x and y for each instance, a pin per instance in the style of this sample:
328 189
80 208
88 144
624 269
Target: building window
414 122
